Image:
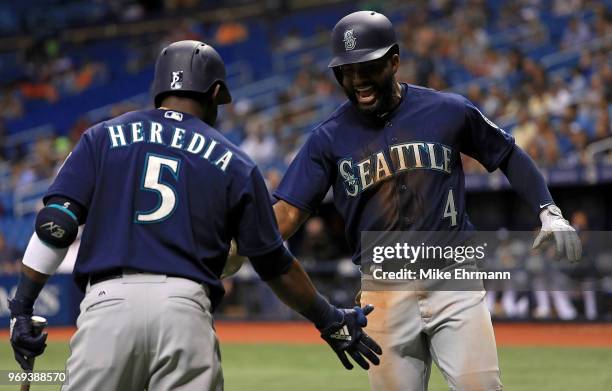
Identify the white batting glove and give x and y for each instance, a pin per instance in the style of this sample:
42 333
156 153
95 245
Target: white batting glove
565 236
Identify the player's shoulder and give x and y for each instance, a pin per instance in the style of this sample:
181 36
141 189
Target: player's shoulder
336 120
437 97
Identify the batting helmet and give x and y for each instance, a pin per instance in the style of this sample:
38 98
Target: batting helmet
189 67
361 36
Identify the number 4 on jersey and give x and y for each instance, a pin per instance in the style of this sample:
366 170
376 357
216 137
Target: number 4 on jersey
449 209
152 182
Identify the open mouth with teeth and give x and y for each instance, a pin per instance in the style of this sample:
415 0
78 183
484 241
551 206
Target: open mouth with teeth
366 95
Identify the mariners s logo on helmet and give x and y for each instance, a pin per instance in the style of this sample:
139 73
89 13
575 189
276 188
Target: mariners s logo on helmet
349 40
177 80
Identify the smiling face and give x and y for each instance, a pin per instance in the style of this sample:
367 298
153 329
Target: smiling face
371 85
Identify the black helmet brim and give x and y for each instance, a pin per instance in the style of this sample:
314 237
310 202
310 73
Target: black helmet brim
358 56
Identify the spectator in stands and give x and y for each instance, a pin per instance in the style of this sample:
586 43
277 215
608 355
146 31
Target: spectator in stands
474 40
539 100
231 32
292 41
525 130
577 83
11 104
317 243
323 86
90 74
495 65
494 101
533 75
259 144
437 82
579 141
302 85
575 33
23 173
603 20
602 126
547 143
566 7
62 146
596 92
44 157
560 97
39 89
474 94
10 261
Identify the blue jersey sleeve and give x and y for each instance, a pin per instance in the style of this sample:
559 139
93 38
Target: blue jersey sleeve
77 177
256 230
308 177
483 140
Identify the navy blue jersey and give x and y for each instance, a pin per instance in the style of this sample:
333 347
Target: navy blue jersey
401 174
165 193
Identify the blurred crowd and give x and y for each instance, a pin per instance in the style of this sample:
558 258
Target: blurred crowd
48 75
553 114
447 45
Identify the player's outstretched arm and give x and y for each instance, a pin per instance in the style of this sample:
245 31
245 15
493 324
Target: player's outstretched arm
342 329
57 225
529 183
289 218
258 238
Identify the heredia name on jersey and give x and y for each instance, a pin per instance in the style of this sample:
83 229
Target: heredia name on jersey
360 176
171 137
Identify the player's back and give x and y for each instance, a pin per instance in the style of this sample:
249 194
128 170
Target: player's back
162 189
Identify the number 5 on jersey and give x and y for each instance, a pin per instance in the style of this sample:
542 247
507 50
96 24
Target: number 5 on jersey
449 208
152 182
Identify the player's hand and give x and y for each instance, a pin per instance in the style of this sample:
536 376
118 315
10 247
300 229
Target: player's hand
25 345
348 336
554 226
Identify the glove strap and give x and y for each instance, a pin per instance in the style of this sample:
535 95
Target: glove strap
554 210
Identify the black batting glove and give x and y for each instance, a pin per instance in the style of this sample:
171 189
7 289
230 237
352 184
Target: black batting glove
347 336
25 345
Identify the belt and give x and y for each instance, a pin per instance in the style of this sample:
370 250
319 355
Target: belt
112 274
105 276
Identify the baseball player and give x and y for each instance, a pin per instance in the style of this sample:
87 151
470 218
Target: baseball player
162 193
391 153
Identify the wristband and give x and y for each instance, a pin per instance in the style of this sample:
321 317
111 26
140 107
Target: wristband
322 314
25 296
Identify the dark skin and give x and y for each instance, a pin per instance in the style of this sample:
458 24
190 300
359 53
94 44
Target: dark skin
377 74
372 86
294 287
205 109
